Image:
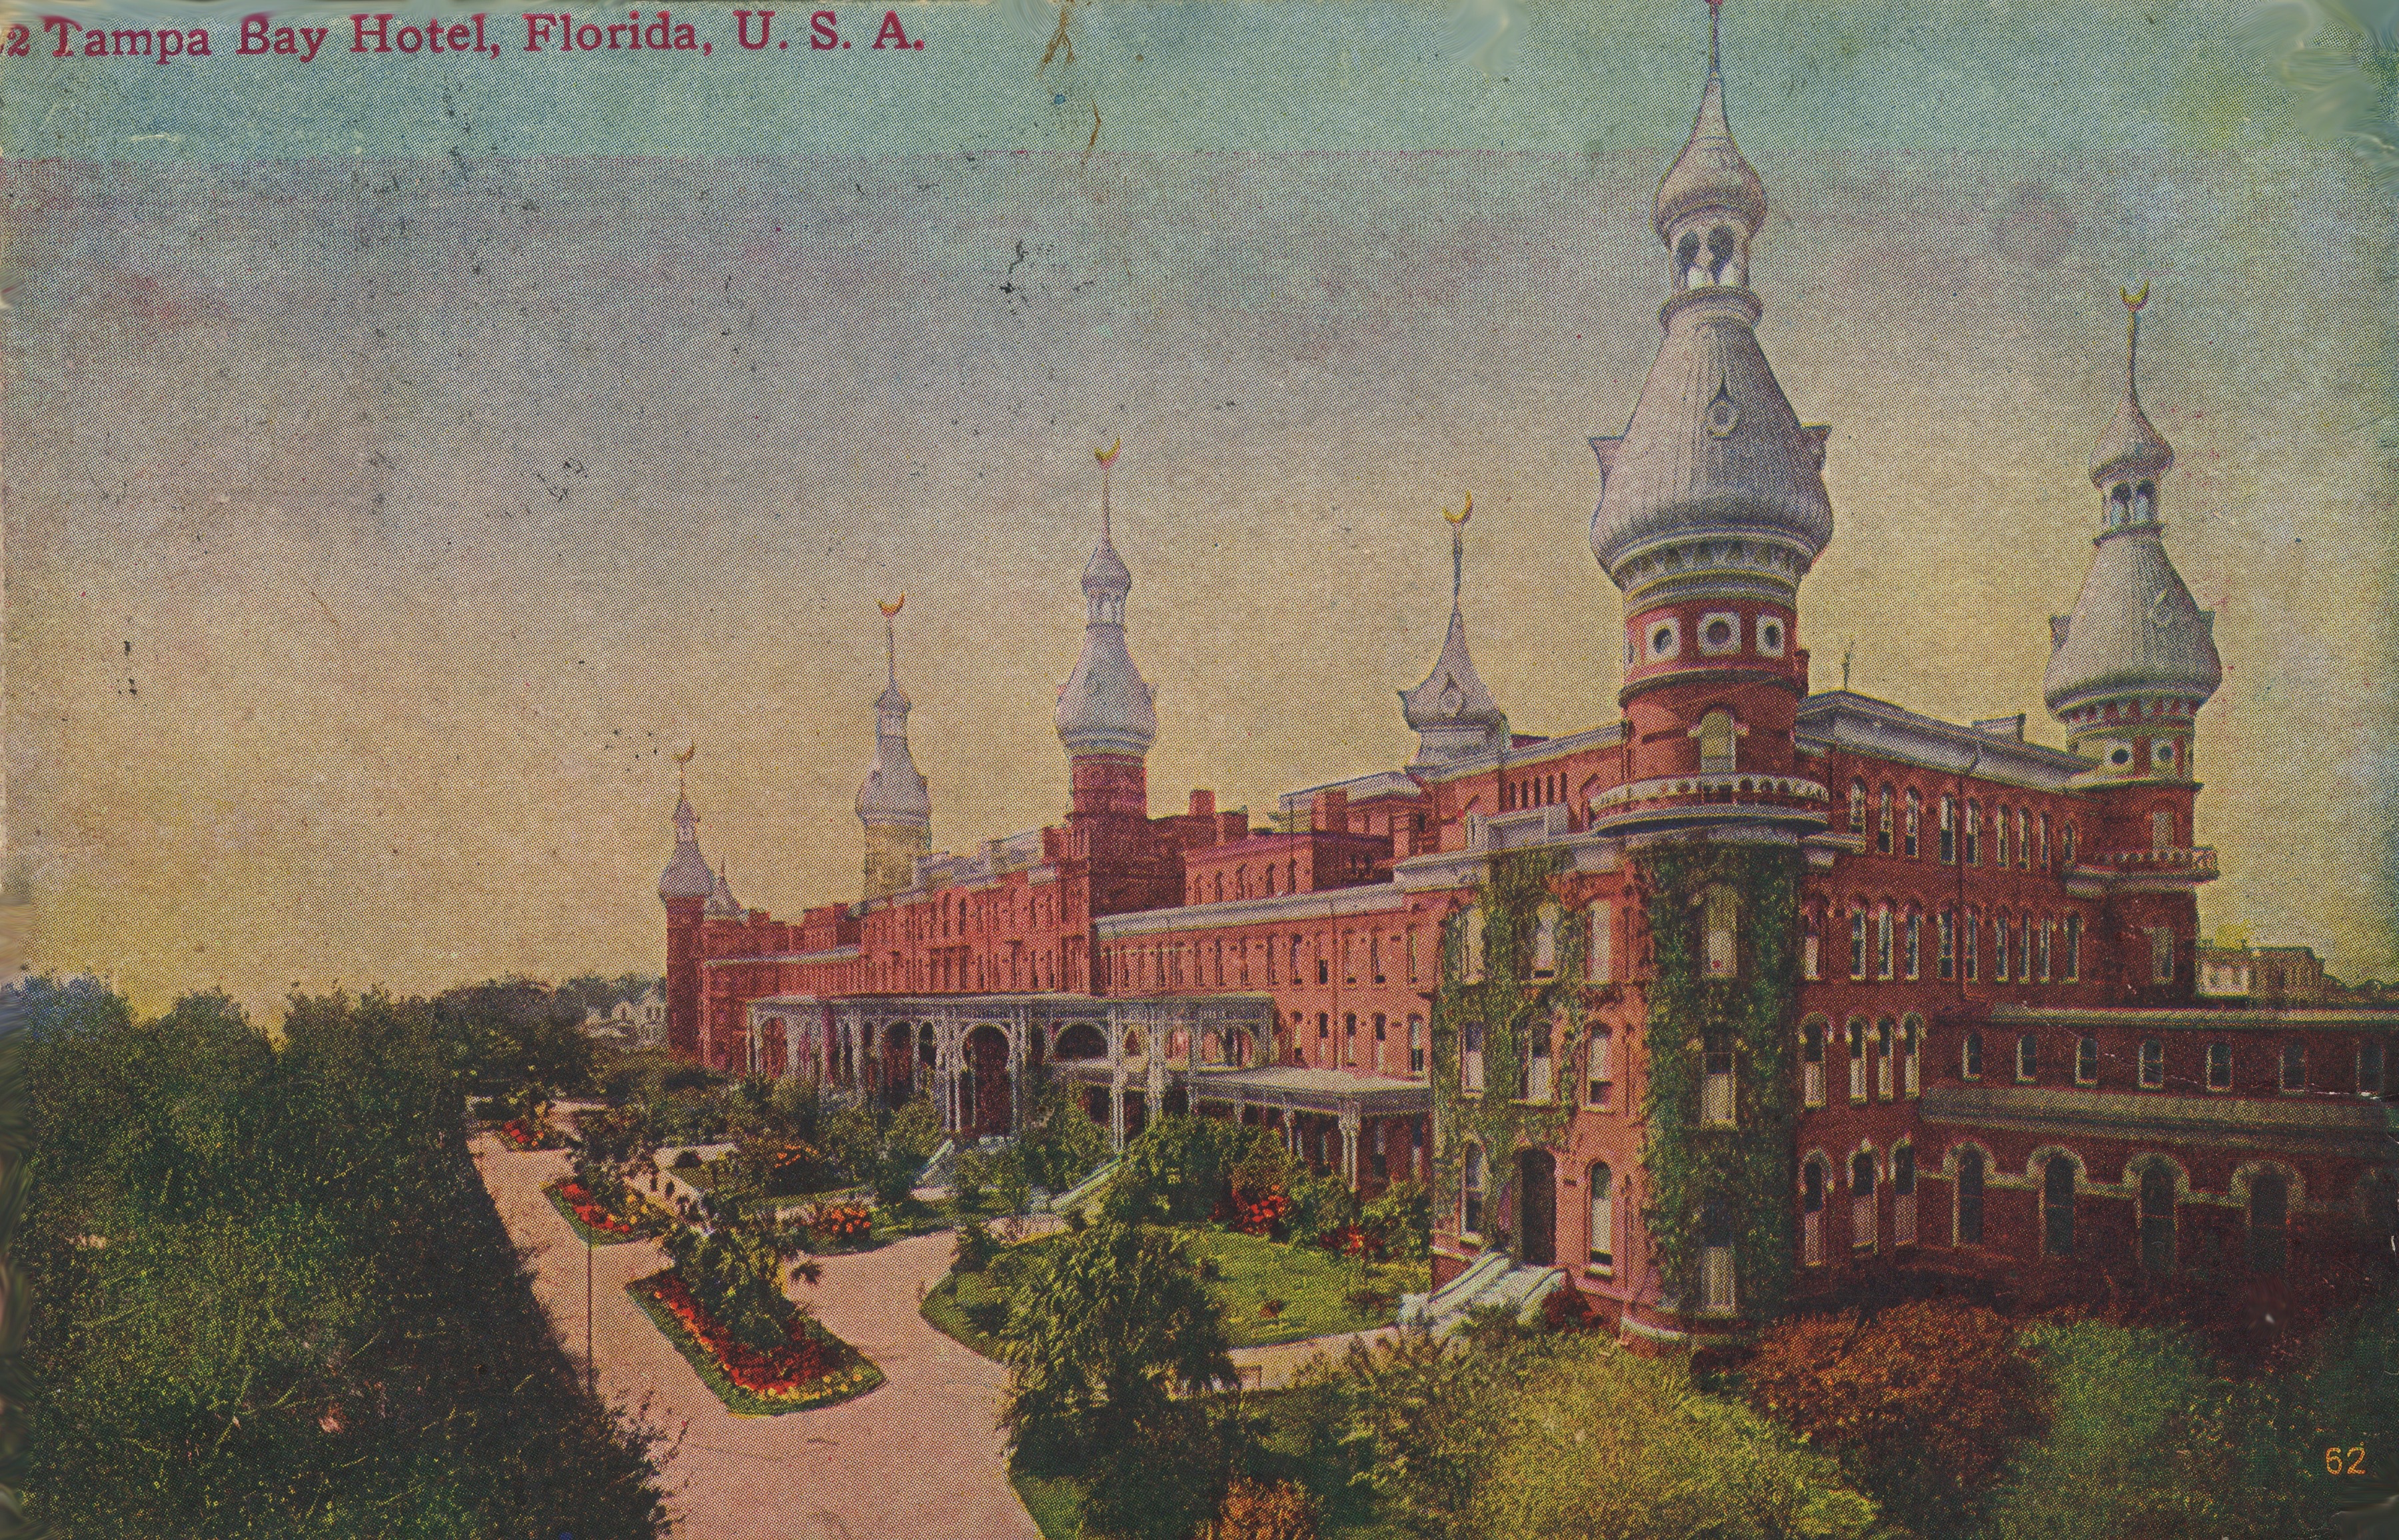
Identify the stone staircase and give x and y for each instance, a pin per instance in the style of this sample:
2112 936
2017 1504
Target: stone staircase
1490 1279
1079 1194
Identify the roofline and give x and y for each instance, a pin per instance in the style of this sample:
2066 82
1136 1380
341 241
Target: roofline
1987 755
2196 1016
1324 904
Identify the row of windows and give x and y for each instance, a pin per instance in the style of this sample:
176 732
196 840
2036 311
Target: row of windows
1229 965
1886 944
953 916
1204 885
1719 634
2367 1064
2019 837
1599 942
1378 1028
958 969
1894 1047
1536 1078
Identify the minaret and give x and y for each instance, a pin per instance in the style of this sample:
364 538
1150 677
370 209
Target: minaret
1451 713
894 803
1711 502
1106 719
683 889
722 904
2129 669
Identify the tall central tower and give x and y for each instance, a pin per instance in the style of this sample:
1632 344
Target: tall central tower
1711 501
1106 719
894 805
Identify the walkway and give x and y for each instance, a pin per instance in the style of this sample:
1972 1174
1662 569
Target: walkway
918 1455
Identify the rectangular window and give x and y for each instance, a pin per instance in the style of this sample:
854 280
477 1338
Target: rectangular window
2000 835
1810 949
1973 936
1601 1090
1998 948
1412 957
2023 950
1716 1279
1858 943
1970 1198
1600 953
2369 1067
1374 957
1882 825
1723 911
1416 1045
1811 1058
2028 1057
1857 1042
2161 955
1380 1036
1603 1220
2073 948
1946 944
1970 1057
2086 1062
2295 1066
2048 930
1715 1094
2219 1066
1914 813
1949 831
1974 833
2153 1064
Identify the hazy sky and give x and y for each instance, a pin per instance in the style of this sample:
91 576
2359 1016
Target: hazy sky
402 457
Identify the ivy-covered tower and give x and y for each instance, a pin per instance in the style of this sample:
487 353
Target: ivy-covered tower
1712 508
2128 673
894 805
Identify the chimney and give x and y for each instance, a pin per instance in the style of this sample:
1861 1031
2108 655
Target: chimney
1203 802
1332 810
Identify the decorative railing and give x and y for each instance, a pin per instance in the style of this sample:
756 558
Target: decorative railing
1720 786
2176 860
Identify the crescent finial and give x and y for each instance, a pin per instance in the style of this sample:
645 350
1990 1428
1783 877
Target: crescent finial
1107 455
2133 301
685 758
893 608
1462 515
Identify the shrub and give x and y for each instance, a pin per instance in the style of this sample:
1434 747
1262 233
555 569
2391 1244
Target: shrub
840 1223
1011 1183
1321 1205
969 1179
974 1249
1567 1308
1180 1169
781 1168
1401 1222
1261 1510
1922 1401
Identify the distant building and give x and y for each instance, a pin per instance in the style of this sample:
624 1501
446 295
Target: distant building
640 1023
1933 1002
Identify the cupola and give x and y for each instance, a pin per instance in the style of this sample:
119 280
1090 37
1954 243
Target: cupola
1451 713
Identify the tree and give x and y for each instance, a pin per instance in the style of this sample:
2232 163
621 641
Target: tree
1922 1401
1605 1444
1106 1328
1060 1144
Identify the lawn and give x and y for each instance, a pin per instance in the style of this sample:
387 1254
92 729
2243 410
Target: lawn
1313 1285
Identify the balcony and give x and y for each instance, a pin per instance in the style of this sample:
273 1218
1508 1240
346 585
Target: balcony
2168 865
1716 796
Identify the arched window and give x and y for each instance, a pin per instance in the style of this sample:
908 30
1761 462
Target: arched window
2023 840
1882 941
1474 945
1882 823
1911 1044
1812 1213
1270 881
2043 825
1970 1197
1470 1058
2144 502
1721 248
1603 1218
1534 1083
2073 948
1998 948
2270 1236
1971 935
2086 1060
1812 1060
1862 1201
1974 833
1856 1035
2069 845
1472 1222
1811 944
1945 944
1599 947
1857 807
1857 941
1903 1195
1689 273
1717 741
1884 1035
2157 1217
1545 941
1912 948
1723 918
1999 834
1416 1045
1908 841
2057 1207
1948 829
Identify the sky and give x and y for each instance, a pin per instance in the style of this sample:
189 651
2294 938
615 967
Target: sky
403 457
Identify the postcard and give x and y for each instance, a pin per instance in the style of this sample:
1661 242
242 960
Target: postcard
1767 908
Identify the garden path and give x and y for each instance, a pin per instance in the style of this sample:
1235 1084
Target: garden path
920 1454
1271 1367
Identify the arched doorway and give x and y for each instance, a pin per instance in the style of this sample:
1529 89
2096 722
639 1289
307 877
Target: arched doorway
2158 1218
2057 1207
1536 1204
985 1103
1081 1040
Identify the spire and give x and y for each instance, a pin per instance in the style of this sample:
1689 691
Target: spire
1710 177
2132 447
1452 713
1714 449
1104 706
722 905
2138 647
893 791
686 875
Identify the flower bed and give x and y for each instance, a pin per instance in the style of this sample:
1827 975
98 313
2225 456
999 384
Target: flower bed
813 1369
596 1225
520 1135
837 1225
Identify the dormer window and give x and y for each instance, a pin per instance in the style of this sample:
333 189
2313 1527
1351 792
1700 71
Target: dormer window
1722 248
1687 262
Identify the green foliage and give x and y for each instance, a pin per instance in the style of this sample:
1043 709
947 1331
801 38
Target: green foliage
1401 1222
735 1274
1511 1006
1057 1142
1747 1168
507 1033
1105 1328
1181 1168
1011 1184
1320 1204
1605 1444
1419 1421
909 1140
973 1248
277 1300
2134 1445
970 1179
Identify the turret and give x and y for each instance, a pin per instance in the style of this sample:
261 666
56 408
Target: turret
1711 503
1451 713
1104 716
2129 669
894 803
684 888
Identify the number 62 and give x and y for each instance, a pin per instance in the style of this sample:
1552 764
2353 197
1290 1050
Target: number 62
2351 1464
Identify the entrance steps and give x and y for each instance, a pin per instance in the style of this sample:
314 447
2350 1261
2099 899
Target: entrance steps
1080 1193
1491 1279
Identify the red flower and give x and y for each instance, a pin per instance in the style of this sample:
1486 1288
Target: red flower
784 1372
